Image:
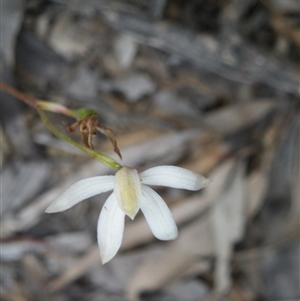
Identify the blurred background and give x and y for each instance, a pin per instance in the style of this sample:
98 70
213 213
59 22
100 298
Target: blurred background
212 86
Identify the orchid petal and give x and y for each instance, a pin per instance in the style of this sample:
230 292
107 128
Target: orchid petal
158 215
80 191
128 191
173 176
110 229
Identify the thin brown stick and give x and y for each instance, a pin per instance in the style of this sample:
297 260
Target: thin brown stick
25 98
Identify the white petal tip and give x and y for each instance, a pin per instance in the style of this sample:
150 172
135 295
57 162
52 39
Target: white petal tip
56 206
52 209
204 182
168 237
104 260
171 236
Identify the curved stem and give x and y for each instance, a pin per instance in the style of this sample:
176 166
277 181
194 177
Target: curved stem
98 156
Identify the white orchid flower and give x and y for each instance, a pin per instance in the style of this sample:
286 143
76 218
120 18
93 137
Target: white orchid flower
130 194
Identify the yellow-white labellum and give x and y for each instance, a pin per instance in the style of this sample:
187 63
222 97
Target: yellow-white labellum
128 191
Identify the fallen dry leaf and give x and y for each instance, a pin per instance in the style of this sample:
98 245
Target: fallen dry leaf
228 219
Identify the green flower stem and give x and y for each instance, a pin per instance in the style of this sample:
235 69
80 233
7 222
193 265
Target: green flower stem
98 156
